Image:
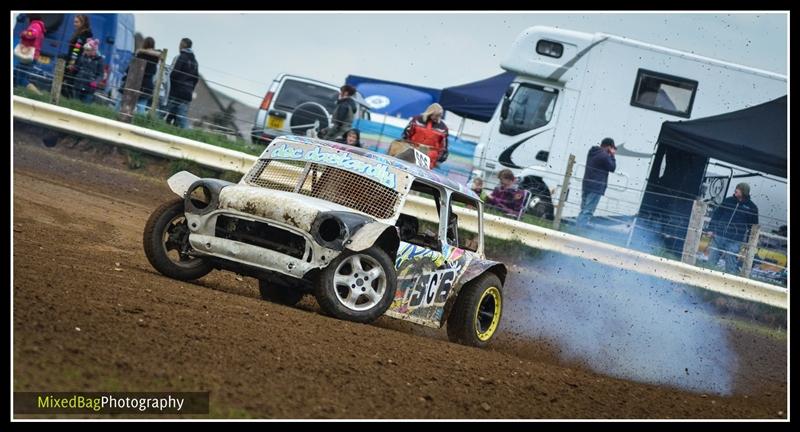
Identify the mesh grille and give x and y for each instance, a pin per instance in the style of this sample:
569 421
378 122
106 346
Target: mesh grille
284 175
327 183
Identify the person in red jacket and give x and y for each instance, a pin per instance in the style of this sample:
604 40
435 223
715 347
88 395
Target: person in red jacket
428 130
30 39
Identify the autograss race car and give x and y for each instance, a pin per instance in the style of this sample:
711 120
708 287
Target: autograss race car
335 221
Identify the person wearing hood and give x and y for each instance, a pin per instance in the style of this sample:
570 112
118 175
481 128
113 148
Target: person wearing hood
182 81
730 226
152 57
352 137
599 162
89 71
30 39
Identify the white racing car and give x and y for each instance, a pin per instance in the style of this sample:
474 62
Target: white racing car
335 221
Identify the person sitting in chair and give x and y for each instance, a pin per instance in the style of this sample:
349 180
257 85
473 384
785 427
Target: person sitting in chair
507 196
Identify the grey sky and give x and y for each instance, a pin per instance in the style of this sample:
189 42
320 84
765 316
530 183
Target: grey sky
247 50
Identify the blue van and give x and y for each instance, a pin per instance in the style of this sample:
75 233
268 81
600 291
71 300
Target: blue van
116 35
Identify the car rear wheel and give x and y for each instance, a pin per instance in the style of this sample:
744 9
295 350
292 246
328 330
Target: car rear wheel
476 314
357 286
166 244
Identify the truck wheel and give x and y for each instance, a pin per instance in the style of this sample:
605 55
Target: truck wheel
541 207
357 286
541 204
166 244
276 292
476 314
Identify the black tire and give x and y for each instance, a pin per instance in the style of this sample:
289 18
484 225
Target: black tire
276 292
481 296
331 286
541 204
543 208
165 220
304 116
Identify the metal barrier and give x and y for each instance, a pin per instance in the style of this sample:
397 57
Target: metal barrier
171 146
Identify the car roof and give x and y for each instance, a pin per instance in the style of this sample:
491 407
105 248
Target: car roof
281 76
414 170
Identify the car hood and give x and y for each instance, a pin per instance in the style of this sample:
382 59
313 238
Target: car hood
285 207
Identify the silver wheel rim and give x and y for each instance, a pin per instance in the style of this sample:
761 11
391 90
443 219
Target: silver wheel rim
359 282
172 241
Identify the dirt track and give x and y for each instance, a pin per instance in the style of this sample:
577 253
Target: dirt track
82 322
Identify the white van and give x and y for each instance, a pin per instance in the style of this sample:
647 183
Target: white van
294 104
573 89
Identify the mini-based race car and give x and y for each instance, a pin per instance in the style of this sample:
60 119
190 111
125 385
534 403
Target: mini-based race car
312 216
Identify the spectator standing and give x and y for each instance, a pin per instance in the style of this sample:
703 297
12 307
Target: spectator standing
30 39
730 226
343 114
82 33
89 71
183 79
600 161
152 57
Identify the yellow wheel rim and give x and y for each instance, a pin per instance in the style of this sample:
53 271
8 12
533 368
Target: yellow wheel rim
487 314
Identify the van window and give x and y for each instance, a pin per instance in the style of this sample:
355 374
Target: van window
530 107
664 93
293 93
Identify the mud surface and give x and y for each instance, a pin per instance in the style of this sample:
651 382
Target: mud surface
91 314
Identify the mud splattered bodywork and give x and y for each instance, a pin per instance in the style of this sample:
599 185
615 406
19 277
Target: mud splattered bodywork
306 201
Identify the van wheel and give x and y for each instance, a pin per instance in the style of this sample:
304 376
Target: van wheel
357 286
476 314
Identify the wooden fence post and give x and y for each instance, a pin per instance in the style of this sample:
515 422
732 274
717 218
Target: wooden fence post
694 232
58 81
162 64
562 198
750 250
131 93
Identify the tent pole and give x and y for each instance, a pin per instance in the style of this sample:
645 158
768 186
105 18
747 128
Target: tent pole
461 127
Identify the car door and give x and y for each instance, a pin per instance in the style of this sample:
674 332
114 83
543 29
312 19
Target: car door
424 273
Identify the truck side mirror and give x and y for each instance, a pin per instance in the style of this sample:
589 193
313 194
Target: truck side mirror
542 155
509 91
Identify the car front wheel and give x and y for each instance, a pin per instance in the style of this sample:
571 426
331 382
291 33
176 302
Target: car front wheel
166 244
357 286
